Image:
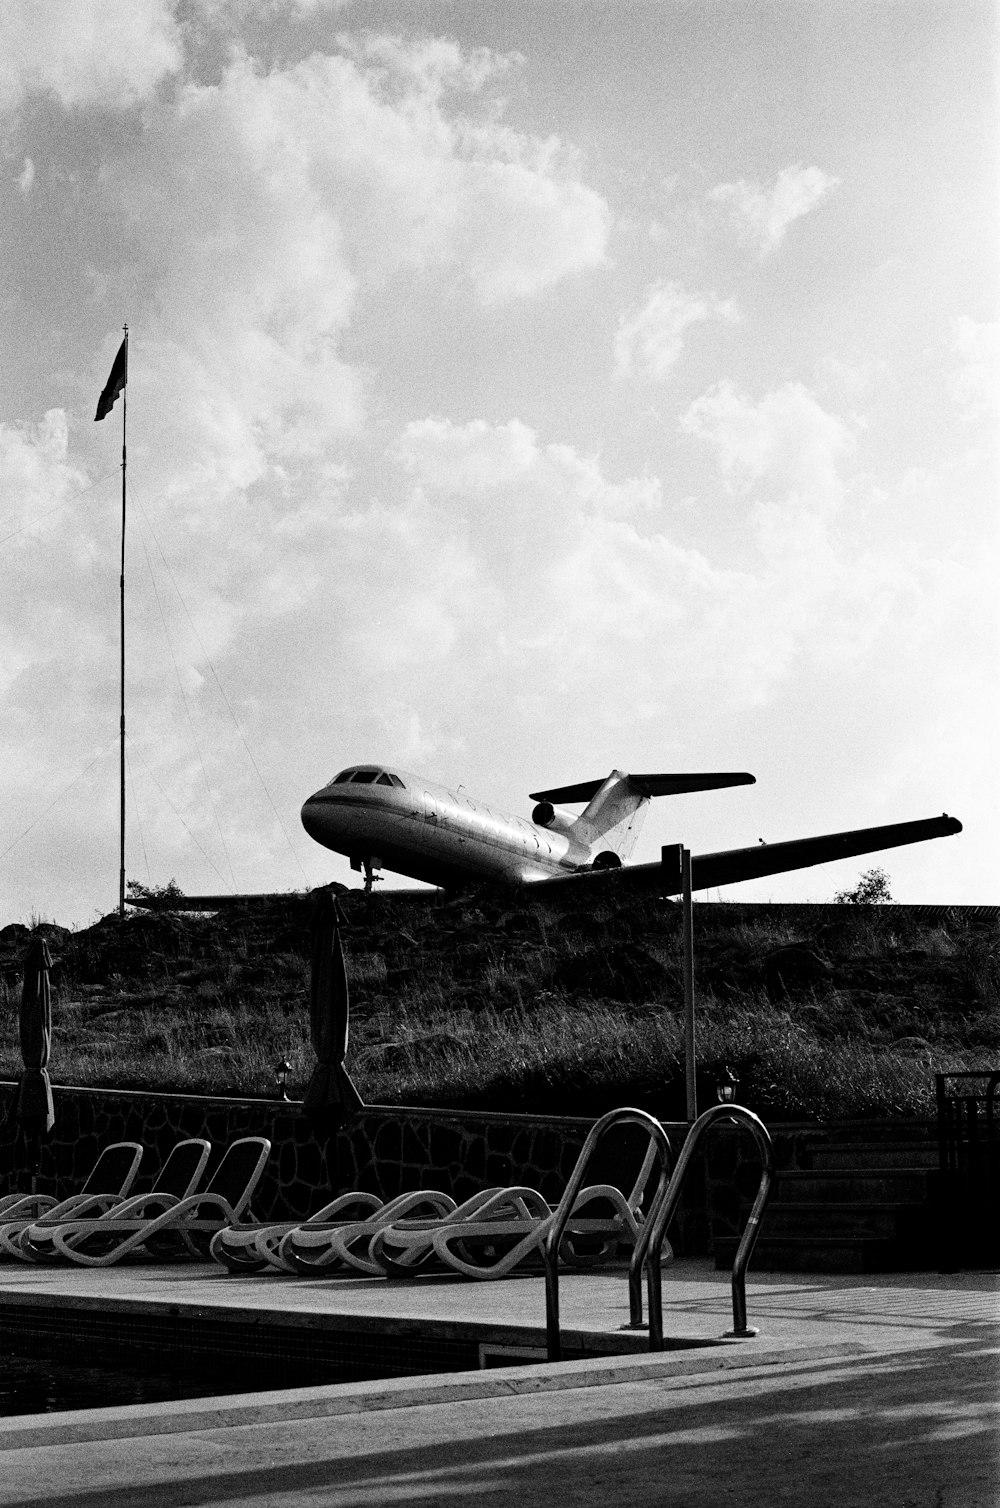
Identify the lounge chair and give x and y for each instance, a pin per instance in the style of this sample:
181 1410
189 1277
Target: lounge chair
495 1232
330 1246
249 1247
178 1177
183 1230
109 1182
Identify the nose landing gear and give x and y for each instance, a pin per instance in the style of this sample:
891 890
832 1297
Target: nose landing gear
369 865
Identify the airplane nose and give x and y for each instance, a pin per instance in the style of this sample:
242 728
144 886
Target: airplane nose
311 816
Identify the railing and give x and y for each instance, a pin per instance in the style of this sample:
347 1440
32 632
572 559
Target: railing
968 1106
659 1148
966 1122
649 1247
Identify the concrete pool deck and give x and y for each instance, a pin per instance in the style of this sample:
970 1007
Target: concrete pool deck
857 1390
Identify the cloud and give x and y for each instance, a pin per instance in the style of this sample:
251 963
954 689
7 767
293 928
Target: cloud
349 502
501 585
974 382
762 215
39 619
579 601
263 208
234 15
649 341
109 53
247 224
433 65
578 580
26 178
824 591
569 580
786 438
454 458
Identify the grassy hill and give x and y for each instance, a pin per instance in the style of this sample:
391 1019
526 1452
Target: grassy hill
501 1003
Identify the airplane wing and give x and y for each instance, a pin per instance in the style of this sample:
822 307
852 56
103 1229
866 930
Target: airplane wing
735 864
228 901
647 785
707 870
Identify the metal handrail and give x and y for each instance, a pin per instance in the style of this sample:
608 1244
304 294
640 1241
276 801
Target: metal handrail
658 1144
649 1248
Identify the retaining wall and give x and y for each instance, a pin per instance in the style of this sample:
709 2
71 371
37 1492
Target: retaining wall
390 1149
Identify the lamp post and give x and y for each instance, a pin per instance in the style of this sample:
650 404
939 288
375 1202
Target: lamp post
676 862
725 1090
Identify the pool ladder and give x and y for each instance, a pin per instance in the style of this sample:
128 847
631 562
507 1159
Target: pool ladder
648 1248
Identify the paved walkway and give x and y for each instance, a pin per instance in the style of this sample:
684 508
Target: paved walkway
858 1391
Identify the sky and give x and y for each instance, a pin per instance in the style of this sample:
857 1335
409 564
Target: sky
516 392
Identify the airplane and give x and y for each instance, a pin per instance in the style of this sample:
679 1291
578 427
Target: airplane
382 817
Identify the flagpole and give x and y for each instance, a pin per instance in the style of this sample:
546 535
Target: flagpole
121 868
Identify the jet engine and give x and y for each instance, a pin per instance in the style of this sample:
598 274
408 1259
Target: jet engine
554 818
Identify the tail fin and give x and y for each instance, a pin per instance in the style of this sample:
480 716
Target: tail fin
613 817
616 807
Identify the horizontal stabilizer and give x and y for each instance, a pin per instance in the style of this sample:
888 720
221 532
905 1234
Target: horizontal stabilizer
676 785
647 785
581 792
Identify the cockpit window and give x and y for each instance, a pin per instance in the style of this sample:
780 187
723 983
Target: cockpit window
369 776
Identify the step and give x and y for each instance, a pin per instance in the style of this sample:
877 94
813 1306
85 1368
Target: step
845 1254
874 1131
853 1186
829 1221
868 1155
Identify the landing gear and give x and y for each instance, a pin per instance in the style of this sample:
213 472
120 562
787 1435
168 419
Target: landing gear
368 866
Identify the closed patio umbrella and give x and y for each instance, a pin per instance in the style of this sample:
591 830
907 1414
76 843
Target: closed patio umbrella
331 1098
34 1108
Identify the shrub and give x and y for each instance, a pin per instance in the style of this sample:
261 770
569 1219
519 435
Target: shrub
872 889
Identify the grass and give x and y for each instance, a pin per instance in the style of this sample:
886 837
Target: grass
486 1004
559 1059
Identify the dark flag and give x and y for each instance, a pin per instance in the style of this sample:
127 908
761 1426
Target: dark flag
115 383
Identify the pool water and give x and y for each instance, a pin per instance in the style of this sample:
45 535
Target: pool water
43 1385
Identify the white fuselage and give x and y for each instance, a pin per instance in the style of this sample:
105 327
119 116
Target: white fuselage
395 820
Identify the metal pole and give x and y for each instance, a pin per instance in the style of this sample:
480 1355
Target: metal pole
121 867
690 1058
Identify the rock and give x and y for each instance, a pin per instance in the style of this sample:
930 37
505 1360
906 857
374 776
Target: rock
395 1055
919 1046
51 932
797 968
621 971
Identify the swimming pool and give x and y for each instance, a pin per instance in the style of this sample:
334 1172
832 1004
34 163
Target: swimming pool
31 1384
54 1358
76 1350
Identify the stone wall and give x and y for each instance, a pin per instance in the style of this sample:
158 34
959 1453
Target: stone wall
390 1149
385 1150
